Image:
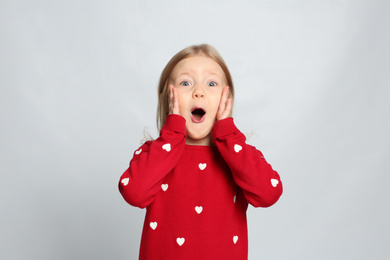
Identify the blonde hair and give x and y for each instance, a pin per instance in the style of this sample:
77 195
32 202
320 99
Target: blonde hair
163 89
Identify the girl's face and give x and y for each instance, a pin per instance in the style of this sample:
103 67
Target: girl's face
199 81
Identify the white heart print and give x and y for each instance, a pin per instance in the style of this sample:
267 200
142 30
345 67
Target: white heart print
198 209
202 166
274 182
153 225
167 147
235 238
138 152
125 181
180 241
164 187
237 148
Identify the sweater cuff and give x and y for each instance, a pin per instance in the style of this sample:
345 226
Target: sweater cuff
223 127
175 123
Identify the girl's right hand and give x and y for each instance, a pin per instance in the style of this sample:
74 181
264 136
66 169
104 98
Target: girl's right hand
173 101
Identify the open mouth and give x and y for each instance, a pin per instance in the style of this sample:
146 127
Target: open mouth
198 115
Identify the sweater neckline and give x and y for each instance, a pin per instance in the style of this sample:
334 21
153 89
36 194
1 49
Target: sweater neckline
201 147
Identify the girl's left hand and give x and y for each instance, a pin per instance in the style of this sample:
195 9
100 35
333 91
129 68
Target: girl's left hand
225 105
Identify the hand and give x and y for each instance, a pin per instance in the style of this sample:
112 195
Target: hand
225 105
173 101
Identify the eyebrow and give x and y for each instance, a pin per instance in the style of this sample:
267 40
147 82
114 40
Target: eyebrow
183 74
207 74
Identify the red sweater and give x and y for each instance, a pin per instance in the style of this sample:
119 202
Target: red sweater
197 196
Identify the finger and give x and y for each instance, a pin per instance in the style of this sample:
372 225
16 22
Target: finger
227 111
176 109
229 106
170 100
170 92
223 104
173 100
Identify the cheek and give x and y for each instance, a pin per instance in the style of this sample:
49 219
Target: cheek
183 100
215 104
218 97
181 95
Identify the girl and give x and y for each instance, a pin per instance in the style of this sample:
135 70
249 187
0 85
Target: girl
197 178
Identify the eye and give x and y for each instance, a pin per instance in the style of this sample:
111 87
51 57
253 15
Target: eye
185 83
212 84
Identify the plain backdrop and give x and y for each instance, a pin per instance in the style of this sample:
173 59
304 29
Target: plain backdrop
78 84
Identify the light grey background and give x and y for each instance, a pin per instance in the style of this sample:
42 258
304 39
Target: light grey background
78 85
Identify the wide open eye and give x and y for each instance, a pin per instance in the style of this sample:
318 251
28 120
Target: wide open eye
185 83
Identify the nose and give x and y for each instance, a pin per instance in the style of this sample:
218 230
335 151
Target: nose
198 92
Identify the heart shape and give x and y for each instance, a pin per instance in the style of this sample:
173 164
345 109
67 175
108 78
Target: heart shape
274 182
237 148
167 147
198 209
125 181
138 152
235 238
202 166
180 241
153 225
164 187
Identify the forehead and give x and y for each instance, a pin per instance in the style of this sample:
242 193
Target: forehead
199 64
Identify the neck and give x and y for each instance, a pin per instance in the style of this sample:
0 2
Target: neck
206 141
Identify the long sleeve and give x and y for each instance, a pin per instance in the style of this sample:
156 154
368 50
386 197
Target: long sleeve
152 162
260 183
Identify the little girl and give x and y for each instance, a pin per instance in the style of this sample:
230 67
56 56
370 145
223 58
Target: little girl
197 178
